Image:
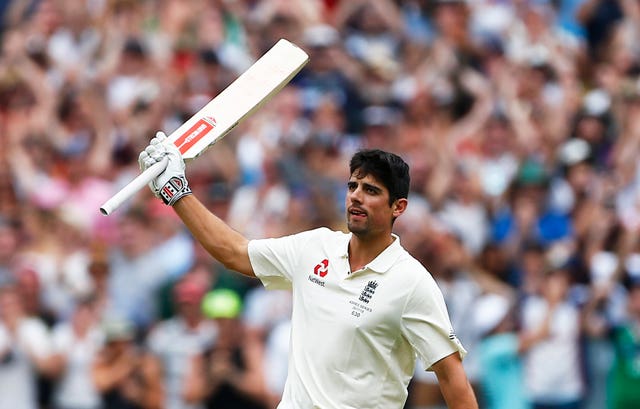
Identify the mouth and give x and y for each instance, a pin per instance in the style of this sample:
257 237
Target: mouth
357 213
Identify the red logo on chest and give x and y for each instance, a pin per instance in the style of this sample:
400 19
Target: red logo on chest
322 268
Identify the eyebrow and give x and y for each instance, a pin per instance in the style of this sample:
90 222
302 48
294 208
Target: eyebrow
365 185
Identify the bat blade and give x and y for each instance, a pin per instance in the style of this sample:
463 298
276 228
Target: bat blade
218 117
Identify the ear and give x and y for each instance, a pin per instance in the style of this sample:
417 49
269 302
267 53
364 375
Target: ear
399 206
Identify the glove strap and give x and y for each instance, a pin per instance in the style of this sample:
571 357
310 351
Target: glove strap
175 189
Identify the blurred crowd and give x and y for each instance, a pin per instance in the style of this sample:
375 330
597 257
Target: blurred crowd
520 120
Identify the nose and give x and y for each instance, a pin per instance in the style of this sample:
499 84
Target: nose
355 195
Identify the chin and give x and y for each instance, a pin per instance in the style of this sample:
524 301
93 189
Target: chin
357 230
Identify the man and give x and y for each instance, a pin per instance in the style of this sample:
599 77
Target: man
175 341
362 306
25 351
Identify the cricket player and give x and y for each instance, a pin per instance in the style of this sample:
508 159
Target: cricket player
363 308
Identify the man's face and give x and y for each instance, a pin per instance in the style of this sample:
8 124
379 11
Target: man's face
367 204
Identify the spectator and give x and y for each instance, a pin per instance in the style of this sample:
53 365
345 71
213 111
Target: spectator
124 374
267 316
229 374
25 352
522 114
602 322
139 266
177 341
75 345
499 354
502 348
553 375
623 393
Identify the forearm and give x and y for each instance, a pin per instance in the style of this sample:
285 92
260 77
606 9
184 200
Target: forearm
459 394
223 243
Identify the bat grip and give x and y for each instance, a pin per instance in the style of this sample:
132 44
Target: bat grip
134 186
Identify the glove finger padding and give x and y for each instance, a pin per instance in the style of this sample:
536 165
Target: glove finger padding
145 161
159 138
171 184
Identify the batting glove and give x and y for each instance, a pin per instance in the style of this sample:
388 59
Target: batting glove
171 185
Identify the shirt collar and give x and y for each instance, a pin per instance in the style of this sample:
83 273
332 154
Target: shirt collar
384 260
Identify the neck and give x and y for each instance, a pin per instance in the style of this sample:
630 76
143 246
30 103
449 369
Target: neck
362 251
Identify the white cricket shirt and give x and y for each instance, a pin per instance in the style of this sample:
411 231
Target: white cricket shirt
355 336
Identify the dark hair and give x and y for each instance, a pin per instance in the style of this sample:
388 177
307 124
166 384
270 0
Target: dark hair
388 168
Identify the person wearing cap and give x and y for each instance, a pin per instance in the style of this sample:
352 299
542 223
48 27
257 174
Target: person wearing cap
363 307
123 373
230 373
501 351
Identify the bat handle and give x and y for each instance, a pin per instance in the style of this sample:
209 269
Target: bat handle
135 185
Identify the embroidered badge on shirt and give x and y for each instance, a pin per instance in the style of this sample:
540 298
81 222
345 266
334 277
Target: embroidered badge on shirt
359 308
368 291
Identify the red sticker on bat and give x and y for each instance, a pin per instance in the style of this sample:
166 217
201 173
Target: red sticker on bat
202 127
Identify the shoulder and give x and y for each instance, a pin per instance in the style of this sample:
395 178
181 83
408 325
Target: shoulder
314 235
412 278
321 233
411 269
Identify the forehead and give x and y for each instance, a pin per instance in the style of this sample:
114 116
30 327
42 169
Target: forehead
359 176
367 179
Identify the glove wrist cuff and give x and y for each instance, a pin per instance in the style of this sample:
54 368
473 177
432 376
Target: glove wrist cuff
175 189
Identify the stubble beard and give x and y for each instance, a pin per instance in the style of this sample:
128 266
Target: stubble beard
358 229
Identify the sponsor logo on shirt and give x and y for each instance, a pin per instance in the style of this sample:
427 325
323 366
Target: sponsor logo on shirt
320 270
315 280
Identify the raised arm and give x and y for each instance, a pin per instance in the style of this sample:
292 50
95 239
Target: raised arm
225 244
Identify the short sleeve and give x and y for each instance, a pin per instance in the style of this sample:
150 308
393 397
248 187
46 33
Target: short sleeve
274 260
426 323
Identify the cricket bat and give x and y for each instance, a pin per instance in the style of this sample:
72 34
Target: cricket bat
241 98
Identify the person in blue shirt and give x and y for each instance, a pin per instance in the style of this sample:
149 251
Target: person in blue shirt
500 352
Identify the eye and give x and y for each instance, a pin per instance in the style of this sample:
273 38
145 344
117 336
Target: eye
352 186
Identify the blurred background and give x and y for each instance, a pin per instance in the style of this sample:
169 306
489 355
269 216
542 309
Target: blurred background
521 123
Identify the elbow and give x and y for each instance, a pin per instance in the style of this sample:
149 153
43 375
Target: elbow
235 257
